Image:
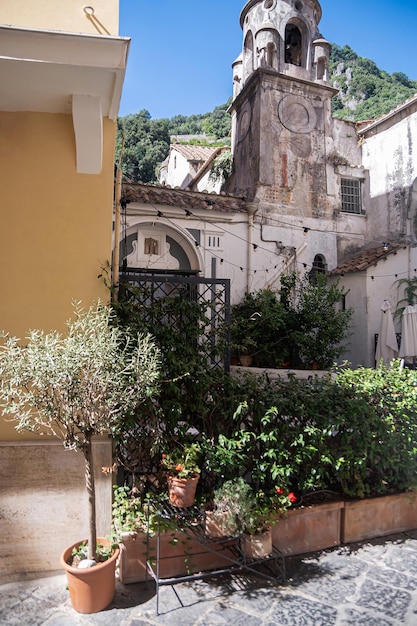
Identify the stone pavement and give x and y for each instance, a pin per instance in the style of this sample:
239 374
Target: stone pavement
373 583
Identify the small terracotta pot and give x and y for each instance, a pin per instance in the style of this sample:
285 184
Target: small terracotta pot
246 360
182 490
92 589
257 546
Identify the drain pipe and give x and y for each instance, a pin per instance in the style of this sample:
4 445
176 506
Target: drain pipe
251 208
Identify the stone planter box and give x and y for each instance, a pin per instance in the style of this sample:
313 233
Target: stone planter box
178 559
376 517
308 529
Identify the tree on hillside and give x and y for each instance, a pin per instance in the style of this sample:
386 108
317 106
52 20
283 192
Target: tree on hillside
141 145
219 123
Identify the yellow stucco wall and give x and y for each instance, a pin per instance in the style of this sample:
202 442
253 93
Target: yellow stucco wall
64 15
56 224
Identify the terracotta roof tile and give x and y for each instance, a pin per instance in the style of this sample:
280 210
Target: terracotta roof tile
365 259
183 198
193 153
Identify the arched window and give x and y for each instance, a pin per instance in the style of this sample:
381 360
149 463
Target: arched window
293 45
248 55
319 267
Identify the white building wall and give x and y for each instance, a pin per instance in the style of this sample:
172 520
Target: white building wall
367 292
178 171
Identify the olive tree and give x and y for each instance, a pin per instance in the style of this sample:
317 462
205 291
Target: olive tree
77 385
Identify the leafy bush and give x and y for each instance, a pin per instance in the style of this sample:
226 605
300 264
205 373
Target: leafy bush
353 432
297 326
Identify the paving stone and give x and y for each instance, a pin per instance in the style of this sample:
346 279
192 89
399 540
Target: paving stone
353 617
257 601
291 610
385 600
401 558
393 578
230 616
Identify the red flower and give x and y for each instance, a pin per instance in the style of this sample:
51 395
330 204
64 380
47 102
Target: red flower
279 490
164 456
179 467
292 497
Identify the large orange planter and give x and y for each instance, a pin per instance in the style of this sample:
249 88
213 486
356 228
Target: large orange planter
308 529
179 555
376 517
92 589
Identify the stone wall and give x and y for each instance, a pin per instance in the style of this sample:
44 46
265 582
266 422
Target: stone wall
43 504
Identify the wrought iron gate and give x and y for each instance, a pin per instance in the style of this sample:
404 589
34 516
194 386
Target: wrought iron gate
206 303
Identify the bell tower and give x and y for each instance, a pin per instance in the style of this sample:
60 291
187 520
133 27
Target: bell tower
281 109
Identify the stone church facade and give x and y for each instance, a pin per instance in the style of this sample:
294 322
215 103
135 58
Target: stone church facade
311 190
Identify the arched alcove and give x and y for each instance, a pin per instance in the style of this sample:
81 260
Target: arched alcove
159 246
293 45
319 267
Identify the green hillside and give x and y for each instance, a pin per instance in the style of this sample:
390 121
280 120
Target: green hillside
365 91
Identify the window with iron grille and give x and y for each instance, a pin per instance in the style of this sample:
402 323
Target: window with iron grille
351 195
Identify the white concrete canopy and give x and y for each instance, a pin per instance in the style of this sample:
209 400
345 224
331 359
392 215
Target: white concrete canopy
56 72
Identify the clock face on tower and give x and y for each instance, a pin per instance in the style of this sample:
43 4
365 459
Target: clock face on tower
244 121
297 114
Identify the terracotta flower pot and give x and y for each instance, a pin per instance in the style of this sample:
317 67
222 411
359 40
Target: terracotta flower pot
257 546
92 589
182 490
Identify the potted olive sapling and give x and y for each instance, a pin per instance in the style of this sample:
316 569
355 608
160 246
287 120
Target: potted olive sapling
75 387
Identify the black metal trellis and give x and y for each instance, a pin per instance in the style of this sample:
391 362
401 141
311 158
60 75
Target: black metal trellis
210 295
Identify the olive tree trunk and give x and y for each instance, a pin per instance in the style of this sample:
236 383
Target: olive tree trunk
91 494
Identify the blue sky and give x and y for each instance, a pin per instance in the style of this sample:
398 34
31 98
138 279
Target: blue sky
182 50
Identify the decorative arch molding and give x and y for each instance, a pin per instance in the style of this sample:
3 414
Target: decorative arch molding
160 246
248 55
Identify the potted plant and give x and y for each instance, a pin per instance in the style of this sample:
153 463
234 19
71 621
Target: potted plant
183 473
230 505
77 386
259 328
263 511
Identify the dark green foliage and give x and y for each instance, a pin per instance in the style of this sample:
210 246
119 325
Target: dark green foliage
192 392
320 328
410 294
259 328
297 326
222 166
353 433
141 146
365 91
386 436
218 124
187 125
